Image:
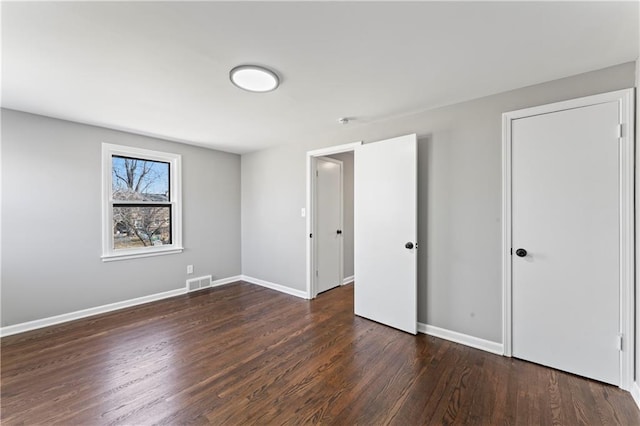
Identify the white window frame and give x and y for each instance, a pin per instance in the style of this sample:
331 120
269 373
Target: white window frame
175 189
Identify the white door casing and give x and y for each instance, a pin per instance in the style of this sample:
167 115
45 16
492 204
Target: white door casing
567 200
385 219
328 223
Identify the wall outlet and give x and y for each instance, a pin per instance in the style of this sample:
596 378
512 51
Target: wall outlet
189 269
303 212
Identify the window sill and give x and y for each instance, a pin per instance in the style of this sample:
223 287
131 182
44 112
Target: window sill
133 255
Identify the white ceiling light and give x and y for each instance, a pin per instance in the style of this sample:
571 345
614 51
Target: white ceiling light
254 78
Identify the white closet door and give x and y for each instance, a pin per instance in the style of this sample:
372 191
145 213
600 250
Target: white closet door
565 215
328 223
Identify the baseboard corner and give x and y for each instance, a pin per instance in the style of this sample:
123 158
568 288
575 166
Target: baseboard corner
277 287
461 338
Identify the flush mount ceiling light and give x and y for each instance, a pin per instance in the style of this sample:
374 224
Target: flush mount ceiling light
254 78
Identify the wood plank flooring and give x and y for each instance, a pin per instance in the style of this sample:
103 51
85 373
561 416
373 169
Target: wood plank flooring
243 354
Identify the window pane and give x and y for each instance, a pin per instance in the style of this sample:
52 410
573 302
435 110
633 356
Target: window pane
135 179
139 226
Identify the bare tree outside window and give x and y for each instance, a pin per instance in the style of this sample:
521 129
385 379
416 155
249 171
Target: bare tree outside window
141 202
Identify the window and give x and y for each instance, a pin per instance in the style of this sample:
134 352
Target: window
141 203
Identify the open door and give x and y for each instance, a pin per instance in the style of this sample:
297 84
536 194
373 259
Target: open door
385 231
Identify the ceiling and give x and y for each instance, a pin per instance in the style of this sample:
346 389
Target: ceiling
162 68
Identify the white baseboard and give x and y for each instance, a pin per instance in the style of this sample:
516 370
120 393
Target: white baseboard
463 339
58 319
278 287
347 280
71 316
223 281
635 393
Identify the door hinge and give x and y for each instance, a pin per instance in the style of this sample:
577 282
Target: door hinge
620 130
316 272
316 173
619 343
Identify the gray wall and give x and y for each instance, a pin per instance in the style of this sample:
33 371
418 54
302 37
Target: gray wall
347 211
51 219
459 283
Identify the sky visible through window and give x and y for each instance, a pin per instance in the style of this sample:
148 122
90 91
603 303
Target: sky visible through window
144 177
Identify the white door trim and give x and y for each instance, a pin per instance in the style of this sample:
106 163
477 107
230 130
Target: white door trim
626 187
310 207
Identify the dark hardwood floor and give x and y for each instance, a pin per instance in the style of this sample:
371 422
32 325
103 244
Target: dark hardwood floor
242 354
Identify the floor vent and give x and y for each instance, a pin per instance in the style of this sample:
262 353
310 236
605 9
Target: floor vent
195 284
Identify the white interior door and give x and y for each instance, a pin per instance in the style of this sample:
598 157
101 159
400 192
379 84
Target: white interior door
565 214
328 219
385 211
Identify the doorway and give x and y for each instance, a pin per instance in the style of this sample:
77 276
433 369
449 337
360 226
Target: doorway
335 246
568 236
385 229
347 159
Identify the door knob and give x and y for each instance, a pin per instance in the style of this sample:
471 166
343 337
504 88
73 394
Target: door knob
521 252
339 231
409 245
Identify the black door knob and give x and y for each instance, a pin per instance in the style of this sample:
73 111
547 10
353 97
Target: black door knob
409 245
339 231
521 252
